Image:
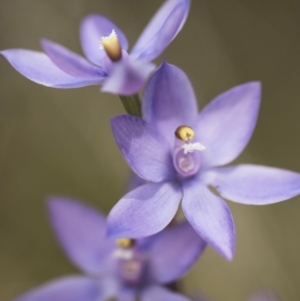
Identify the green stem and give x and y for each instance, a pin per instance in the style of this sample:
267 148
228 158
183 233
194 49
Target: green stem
132 104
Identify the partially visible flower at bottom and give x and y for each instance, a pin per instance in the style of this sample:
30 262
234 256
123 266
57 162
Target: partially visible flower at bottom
124 272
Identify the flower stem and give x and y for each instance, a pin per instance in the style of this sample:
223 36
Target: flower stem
132 104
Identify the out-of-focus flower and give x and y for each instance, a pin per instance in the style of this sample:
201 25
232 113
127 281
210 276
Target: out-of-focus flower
134 268
105 47
154 148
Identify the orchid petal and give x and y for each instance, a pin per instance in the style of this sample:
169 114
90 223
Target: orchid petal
161 30
93 28
38 67
210 216
157 293
169 256
144 211
70 62
169 101
255 184
226 124
126 294
72 288
81 230
144 149
127 77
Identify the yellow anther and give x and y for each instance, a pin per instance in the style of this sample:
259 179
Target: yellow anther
124 243
184 133
112 46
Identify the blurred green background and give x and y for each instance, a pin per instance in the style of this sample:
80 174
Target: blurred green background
59 141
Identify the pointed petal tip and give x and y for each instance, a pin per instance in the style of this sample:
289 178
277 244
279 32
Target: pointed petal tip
229 252
226 124
187 4
255 85
161 30
56 202
93 16
252 87
210 217
43 41
165 65
272 185
229 255
52 202
226 252
170 70
56 205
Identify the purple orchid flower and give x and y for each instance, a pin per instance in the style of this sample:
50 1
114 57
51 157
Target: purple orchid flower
122 272
110 66
180 153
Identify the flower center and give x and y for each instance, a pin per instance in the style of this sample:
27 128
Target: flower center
184 133
186 156
131 264
112 46
125 243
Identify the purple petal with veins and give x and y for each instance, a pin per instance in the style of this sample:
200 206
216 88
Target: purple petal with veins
226 124
210 216
272 185
89 249
169 101
144 149
145 210
38 67
161 30
71 62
